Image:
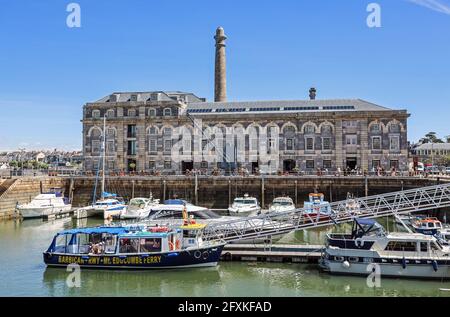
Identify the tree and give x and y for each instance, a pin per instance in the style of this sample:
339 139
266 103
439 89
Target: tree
430 137
447 138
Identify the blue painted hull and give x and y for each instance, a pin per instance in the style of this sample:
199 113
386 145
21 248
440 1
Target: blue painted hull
202 257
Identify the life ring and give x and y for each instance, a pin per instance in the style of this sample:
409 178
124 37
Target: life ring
197 254
205 255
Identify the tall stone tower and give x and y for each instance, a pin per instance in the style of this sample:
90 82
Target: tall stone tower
220 79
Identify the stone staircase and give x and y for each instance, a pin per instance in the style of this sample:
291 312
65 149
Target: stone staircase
5 185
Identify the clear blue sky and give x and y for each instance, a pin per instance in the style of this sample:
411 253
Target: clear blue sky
276 50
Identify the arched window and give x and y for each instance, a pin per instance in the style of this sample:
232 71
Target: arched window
394 127
375 128
167 112
152 112
96 114
327 129
309 129
152 131
167 131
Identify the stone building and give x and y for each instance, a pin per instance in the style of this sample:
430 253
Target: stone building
309 134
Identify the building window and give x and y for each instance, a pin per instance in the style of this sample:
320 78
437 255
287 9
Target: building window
152 112
394 143
327 129
95 146
351 139
131 148
376 163
152 165
167 131
394 127
131 131
375 128
350 124
110 146
309 129
394 164
95 114
167 145
111 165
309 144
272 144
310 164
327 164
204 164
110 113
289 144
133 98
131 113
167 112
326 143
167 164
376 143
152 145
110 133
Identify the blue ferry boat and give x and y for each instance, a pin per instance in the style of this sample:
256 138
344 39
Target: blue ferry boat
138 247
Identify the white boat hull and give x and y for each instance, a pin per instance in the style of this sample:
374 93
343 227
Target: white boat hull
390 270
38 212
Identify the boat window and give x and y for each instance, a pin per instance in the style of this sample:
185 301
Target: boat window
406 246
435 246
339 258
61 243
353 259
423 246
245 201
127 245
430 225
150 245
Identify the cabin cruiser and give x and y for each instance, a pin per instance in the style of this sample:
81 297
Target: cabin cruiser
317 207
281 204
44 205
370 249
107 207
245 205
134 247
139 208
428 225
352 206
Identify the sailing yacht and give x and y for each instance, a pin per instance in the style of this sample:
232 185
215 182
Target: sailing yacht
109 204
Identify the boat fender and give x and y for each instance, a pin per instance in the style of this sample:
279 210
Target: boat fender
197 254
359 242
404 263
435 265
346 264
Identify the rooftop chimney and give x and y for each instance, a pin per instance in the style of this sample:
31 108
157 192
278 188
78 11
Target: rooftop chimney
312 93
220 79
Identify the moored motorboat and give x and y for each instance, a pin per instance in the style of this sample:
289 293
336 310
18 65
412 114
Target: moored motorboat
428 225
282 204
316 208
133 247
245 205
107 207
44 205
139 208
370 249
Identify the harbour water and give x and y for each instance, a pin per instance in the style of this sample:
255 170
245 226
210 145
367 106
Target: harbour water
23 272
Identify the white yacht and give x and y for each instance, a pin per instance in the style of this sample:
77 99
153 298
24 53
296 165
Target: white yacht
282 204
107 207
370 249
245 205
44 205
139 208
317 207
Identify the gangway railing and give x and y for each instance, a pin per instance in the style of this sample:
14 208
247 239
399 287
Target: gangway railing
277 223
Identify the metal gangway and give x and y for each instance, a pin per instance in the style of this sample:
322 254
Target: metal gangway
277 223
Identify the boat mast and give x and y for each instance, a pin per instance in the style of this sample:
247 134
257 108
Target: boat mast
104 155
